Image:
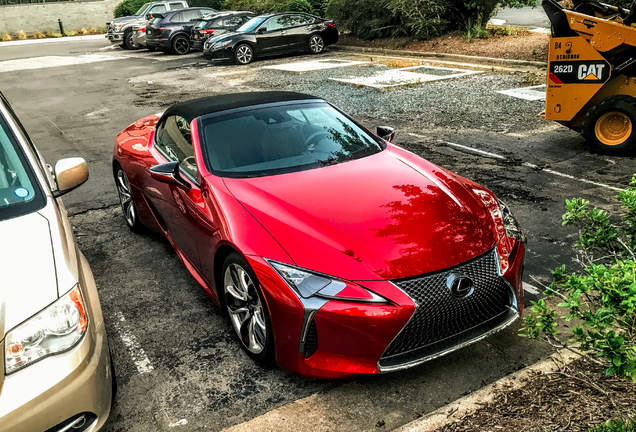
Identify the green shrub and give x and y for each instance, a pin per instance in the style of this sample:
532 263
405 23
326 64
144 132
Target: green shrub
214 4
319 6
298 6
602 299
619 426
366 19
421 18
257 6
128 7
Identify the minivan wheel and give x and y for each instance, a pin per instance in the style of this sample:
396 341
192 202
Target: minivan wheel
244 54
180 45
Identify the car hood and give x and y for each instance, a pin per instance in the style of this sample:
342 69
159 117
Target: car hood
128 19
28 269
387 216
223 37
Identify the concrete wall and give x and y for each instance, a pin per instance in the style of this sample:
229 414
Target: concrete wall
43 16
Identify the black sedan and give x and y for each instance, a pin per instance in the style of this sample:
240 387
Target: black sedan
216 25
271 35
171 31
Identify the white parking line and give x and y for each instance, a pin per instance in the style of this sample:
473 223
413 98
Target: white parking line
526 164
179 423
531 289
130 341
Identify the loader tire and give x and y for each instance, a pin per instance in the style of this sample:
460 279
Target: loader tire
610 125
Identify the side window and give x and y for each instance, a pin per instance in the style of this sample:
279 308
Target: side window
176 6
275 23
190 15
246 18
178 17
157 9
232 22
175 141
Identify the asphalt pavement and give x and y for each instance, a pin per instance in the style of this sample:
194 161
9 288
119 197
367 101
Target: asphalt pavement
184 370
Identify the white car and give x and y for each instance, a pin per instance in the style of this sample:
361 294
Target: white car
56 369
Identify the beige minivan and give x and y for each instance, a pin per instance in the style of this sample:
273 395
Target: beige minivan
56 368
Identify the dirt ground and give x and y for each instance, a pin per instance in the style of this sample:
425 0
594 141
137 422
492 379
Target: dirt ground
523 45
575 398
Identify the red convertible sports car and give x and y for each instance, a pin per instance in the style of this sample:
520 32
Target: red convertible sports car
333 251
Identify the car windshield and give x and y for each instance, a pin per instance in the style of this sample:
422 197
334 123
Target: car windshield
251 24
142 10
281 139
18 191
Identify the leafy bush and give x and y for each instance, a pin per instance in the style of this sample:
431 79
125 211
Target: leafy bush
420 18
128 7
298 6
619 426
603 298
319 6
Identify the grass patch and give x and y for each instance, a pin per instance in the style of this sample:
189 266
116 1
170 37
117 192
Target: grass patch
492 31
22 35
6 37
395 63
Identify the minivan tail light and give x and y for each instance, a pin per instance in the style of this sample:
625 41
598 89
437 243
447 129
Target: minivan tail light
208 31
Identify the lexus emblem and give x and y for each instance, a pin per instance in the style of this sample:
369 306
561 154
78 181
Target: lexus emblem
460 285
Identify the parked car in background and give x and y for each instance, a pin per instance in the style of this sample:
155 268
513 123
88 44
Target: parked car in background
171 32
331 250
271 35
120 30
215 25
57 373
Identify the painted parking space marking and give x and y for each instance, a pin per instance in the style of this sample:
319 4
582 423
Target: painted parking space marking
53 61
526 164
406 77
533 93
139 357
531 289
314 65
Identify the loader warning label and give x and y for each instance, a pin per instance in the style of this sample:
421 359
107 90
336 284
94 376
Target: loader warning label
579 72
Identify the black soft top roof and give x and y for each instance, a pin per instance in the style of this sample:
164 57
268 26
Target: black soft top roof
192 109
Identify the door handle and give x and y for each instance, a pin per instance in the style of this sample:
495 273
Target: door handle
283 32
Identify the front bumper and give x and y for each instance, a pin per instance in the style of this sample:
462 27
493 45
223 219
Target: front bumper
225 53
115 38
58 388
328 339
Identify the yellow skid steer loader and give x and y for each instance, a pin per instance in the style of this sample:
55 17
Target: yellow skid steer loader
591 84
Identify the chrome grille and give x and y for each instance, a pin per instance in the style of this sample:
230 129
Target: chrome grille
442 321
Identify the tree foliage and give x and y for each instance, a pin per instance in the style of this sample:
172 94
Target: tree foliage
619 426
268 6
602 299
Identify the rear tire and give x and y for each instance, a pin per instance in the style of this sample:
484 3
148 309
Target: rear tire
316 44
610 125
127 201
180 45
243 54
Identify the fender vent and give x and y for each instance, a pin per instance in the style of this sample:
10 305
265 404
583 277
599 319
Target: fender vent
311 344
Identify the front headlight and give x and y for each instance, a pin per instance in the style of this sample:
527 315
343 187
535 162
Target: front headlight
221 44
512 227
54 330
309 284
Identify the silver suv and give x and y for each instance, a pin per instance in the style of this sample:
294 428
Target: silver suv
121 30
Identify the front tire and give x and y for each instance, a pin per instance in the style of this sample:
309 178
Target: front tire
243 54
127 201
610 125
247 310
128 41
316 44
180 45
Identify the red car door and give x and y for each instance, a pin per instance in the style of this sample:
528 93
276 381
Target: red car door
179 206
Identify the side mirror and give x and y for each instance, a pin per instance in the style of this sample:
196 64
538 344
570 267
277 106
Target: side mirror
386 133
70 174
169 173
262 30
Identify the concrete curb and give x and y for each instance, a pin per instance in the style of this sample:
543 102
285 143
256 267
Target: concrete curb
51 40
469 404
488 61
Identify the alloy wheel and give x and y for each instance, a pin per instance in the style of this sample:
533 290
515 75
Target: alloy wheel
245 308
126 199
244 54
316 44
181 46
